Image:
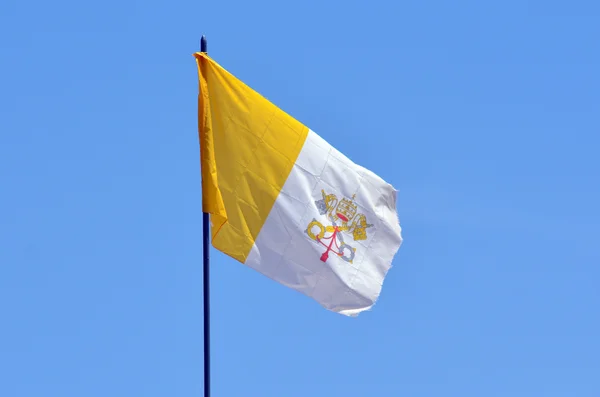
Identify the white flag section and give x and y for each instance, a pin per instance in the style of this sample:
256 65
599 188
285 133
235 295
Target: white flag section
332 232
286 203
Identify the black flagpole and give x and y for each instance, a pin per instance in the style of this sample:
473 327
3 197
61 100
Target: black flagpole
206 281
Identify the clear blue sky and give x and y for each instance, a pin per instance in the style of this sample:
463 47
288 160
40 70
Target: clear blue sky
483 114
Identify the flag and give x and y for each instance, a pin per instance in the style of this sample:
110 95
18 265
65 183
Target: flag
286 203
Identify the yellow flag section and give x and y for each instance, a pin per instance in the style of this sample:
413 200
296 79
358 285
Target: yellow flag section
248 148
286 203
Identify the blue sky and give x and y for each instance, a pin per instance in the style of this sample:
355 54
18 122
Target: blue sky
483 114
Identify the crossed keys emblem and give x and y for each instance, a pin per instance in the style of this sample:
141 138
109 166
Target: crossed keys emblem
344 220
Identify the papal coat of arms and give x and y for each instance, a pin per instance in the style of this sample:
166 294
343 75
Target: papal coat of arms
344 221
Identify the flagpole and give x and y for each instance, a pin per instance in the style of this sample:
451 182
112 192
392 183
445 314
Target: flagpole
206 280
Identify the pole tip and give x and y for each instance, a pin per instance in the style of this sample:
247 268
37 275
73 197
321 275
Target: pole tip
203 44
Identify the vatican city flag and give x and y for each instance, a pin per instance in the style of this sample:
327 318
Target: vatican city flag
286 203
